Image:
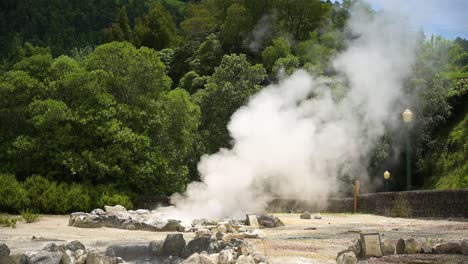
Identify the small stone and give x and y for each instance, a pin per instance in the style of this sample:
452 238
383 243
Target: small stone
202 232
96 258
356 247
156 247
347 258
464 246
68 258
44 257
400 246
4 250
317 216
305 215
245 260
193 259
255 233
412 246
258 258
447 248
207 259
221 229
73 246
51 247
225 257
426 248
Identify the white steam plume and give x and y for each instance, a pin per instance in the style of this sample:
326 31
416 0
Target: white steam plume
293 139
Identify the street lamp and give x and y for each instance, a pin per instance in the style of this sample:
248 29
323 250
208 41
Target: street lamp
408 118
386 176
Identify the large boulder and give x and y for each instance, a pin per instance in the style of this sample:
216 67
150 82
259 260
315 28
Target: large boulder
96 258
447 248
197 245
4 250
269 221
156 248
412 246
347 258
464 246
306 215
128 252
174 245
43 257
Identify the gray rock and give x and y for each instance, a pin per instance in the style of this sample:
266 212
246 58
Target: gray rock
347 258
258 258
193 259
73 217
114 209
156 248
98 211
68 258
43 257
464 246
412 246
96 258
142 211
162 225
203 232
317 216
51 247
73 246
206 259
388 248
447 248
356 247
225 257
127 252
197 245
305 215
256 233
426 248
174 244
245 260
4 250
269 221
86 221
400 246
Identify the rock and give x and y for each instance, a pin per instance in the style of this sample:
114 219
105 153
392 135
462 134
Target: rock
245 260
202 232
68 258
114 209
86 221
219 236
269 221
206 259
256 233
4 250
252 220
400 246
356 247
162 225
412 246
73 217
305 215
259 258
426 248
318 216
7 260
225 257
447 248
197 245
98 211
174 245
156 248
193 259
73 246
142 211
51 247
19 259
43 257
221 229
96 258
127 252
388 248
464 246
347 258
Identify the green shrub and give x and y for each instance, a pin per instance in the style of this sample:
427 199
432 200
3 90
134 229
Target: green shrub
78 198
114 199
29 216
7 221
12 195
35 187
54 200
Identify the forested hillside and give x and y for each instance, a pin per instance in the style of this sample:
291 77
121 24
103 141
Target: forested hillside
102 101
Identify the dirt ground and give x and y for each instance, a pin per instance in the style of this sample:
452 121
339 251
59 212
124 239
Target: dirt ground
298 242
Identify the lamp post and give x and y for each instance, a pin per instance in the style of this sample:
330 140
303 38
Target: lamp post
408 118
386 176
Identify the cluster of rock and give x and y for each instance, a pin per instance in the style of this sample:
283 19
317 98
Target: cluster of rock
72 252
308 215
208 247
403 246
118 217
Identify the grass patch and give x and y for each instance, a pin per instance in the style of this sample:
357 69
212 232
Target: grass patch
29 216
401 207
8 221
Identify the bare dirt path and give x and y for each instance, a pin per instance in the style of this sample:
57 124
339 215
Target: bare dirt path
299 242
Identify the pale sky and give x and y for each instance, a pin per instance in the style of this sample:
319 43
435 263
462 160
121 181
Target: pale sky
448 18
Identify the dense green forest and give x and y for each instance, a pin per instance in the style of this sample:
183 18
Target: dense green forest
105 100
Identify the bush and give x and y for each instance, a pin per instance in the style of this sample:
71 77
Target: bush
78 198
13 196
115 199
54 200
29 216
7 221
35 187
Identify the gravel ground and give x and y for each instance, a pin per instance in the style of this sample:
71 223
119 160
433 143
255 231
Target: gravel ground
298 242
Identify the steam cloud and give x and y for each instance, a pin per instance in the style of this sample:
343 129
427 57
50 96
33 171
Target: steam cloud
293 139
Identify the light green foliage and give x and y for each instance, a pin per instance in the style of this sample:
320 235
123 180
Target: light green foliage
29 216
13 196
192 82
287 64
279 49
318 52
232 83
8 221
237 25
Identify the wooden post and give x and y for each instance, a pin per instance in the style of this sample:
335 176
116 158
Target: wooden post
356 192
